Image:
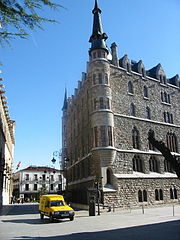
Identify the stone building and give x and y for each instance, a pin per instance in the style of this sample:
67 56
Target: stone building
29 182
7 142
105 127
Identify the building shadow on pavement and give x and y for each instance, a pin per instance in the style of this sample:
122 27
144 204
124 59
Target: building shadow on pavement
19 209
160 231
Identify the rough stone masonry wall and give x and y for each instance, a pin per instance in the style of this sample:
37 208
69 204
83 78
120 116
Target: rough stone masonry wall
127 193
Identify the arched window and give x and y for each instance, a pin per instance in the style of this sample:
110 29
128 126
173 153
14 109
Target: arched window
135 138
162 96
153 164
173 193
156 195
108 174
132 110
130 87
145 195
167 166
145 90
172 142
151 147
137 164
148 113
140 197
160 194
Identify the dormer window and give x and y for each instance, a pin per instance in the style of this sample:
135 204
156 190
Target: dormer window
143 72
128 67
162 79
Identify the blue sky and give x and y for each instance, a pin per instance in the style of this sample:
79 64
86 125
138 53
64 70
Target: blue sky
36 71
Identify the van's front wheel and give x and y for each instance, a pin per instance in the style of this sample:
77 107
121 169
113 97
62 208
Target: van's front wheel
71 218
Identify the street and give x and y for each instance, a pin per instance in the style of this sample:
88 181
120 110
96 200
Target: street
23 222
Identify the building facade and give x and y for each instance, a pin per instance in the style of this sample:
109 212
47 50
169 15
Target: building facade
30 182
105 127
7 142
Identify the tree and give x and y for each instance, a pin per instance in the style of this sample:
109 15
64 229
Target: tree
42 190
19 16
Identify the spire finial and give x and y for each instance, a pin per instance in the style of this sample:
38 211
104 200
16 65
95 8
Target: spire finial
96 8
65 101
97 38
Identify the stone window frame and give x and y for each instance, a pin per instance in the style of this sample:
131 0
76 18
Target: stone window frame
151 147
167 166
130 87
135 138
142 195
173 193
103 138
159 194
154 165
171 141
145 92
132 109
148 113
100 78
137 164
165 97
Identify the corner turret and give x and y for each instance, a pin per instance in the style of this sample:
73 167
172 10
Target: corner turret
98 37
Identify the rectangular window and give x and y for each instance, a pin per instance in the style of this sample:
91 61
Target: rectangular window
96 142
107 103
100 78
52 187
27 176
99 54
59 187
110 142
27 187
95 104
35 177
94 79
35 187
52 177
103 136
43 177
106 80
101 102
60 178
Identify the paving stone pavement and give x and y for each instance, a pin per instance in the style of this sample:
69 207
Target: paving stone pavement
23 222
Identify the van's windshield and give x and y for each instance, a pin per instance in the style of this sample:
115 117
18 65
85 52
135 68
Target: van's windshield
56 203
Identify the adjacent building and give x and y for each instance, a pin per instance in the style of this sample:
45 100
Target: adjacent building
105 127
7 142
30 182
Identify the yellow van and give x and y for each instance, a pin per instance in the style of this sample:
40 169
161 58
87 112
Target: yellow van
55 207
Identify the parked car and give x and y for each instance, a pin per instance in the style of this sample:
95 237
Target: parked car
54 207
